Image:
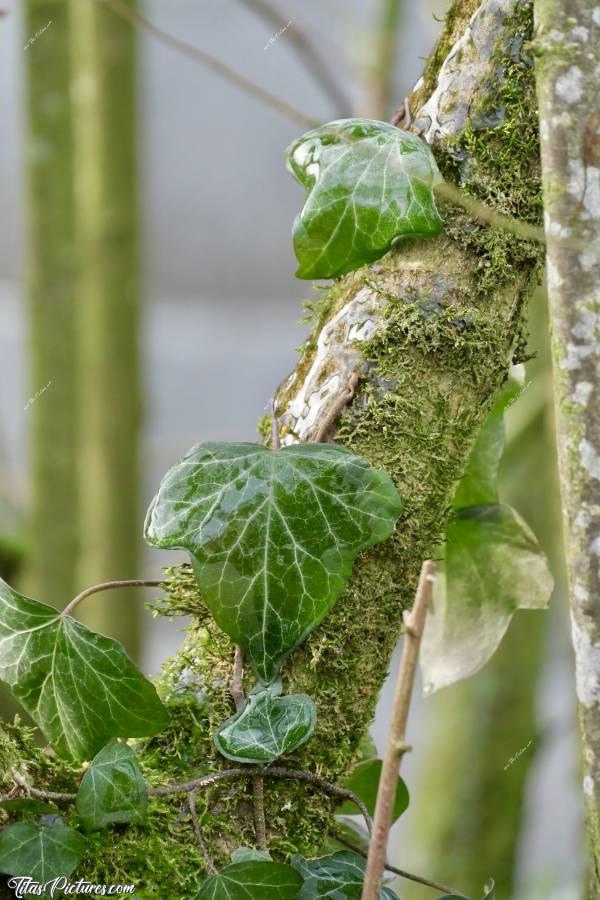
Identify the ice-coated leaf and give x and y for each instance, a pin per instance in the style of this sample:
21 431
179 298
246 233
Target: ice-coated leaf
79 687
272 535
42 853
112 789
364 782
267 726
493 566
338 876
368 184
254 880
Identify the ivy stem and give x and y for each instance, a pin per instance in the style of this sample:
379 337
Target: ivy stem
410 876
275 441
198 832
21 783
236 686
260 825
396 746
107 586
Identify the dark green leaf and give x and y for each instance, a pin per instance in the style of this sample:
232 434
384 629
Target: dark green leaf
368 184
364 781
267 726
113 789
339 876
42 853
273 535
78 686
249 854
28 805
252 881
493 566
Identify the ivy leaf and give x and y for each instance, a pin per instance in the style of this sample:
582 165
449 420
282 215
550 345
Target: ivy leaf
493 566
254 880
273 535
368 185
249 854
78 686
28 805
267 726
364 782
42 853
339 876
112 789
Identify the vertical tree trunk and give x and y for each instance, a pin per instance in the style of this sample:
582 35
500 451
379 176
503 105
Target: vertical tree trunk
51 270
106 209
569 100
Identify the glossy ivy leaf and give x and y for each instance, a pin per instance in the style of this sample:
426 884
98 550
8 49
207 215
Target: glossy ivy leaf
112 789
364 782
254 880
478 485
42 853
339 876
28 805
273 535
78 686
493 566
267 726
368 185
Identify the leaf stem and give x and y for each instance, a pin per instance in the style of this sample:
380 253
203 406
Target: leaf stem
107 586
396 746
410 876
236 687
210 865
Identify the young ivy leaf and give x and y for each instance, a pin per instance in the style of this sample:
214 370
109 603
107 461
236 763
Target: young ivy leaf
78 686
493 566
368 185
340 875
267 726
42 853
112 789
253 880
272 535
364 782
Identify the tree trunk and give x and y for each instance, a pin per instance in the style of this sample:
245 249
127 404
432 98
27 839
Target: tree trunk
51 271
109 408
569 99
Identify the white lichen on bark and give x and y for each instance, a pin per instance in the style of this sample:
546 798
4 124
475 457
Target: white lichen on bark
567 39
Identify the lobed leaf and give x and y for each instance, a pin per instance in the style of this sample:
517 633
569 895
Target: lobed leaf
368 184
338 876
253 880
267 726
42 853
493 566
273 535
364 782
78 686
112 789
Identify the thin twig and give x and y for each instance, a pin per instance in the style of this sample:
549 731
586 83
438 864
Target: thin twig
108 586
410 876
210 865
211 62
260 825
308 55
20 781
339 404
396 746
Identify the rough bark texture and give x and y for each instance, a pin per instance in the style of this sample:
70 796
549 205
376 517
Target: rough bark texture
104 121
568 71
431 329
51 272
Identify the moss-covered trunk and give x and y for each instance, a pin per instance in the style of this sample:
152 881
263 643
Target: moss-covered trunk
432 329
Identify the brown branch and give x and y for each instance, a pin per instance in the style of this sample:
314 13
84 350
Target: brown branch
210 865
108 586
396 745
20 781
211 62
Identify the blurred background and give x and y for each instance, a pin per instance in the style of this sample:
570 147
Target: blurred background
147 301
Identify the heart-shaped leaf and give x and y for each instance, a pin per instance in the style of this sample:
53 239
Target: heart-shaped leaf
78 686
364 782
267 726
493 566
42 853
253 880
273 535
340 875
368 184
113 789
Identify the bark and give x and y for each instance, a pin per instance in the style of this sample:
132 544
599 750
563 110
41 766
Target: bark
51 271
568 35
104 67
